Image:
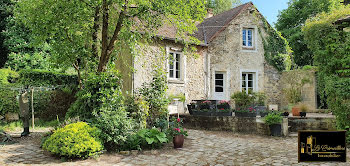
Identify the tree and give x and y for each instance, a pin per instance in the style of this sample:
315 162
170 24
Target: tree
291 20
72 28
4 14
219 6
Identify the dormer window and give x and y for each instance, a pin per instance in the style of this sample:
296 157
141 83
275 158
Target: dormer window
247 38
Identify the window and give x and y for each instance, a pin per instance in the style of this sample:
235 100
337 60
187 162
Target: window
247 39
219 82
174 66
248 82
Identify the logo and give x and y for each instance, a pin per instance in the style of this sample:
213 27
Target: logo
321 146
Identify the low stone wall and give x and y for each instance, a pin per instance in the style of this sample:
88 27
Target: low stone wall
235 124
311 123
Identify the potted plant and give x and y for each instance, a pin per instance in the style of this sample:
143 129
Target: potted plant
296 110
205 104
177 133
274 121
223 104
250 112
191 107
222 112
202 112
243 100
263 113
285 112
303 108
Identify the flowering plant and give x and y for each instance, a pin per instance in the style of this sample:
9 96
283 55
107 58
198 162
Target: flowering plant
176 128
250 110
206 102
224 102
224 110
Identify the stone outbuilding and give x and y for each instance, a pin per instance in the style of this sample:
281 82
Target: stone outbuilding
231 59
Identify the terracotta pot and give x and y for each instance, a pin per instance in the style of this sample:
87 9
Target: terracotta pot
178 141
296 111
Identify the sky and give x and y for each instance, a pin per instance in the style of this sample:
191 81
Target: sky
269 8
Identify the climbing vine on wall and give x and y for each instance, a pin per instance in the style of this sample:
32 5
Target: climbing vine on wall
276 47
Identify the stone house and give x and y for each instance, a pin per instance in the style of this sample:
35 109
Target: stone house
231 58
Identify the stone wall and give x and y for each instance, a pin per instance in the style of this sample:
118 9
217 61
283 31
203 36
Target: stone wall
235 124
193 75
309 91
311 123
228 55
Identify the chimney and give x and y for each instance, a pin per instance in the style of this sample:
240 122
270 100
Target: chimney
210 13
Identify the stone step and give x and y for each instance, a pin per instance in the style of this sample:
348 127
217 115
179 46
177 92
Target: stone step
293 134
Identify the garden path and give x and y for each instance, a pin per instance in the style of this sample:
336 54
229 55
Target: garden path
201 148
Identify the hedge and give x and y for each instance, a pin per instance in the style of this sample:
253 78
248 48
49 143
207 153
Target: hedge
35 77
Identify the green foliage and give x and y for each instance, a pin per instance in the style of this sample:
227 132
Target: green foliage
294 82
219 6
155 95
181 97
36 60
137 109
291 20
330 45
242 99
8 101
37 77
176 128
151 138
77 140
4 14
100 90
7 76
74 36
273 118
115 125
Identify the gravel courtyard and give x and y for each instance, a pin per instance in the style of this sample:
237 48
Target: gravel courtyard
201 148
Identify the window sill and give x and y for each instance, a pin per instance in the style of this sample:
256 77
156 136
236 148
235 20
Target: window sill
176 81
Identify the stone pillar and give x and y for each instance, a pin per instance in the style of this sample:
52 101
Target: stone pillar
285 127
24 112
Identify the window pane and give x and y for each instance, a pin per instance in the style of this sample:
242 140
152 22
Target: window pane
243 76
171 73
244 37
250 77
177 57
177 74
219 76
219 82
219 89
250 84
243 84
177 65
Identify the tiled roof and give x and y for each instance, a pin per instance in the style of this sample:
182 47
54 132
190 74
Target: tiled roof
214 25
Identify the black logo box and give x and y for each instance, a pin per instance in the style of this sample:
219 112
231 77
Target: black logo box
321 145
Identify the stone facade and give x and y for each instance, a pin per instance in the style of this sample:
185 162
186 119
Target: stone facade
192 71
229 56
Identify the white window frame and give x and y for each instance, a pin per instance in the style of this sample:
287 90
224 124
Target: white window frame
255 79
182 59
245 37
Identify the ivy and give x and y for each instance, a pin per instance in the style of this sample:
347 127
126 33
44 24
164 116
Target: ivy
277 51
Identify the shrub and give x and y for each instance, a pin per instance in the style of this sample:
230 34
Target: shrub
8 76
242 99
35 77
273 118
103 88
77 140
137 109
155 94
151 138
115 125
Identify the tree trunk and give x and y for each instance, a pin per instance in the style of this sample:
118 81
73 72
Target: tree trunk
95 32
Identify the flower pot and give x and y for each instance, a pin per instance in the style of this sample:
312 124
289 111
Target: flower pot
296 111
285 114
302 114
190 108
178 141
275 129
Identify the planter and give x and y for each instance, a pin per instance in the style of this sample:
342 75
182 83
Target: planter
245 114
178 141
224 106
201 113
190 108
263 114
203 107
285 114
275 130
222 113
302 114
296 111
